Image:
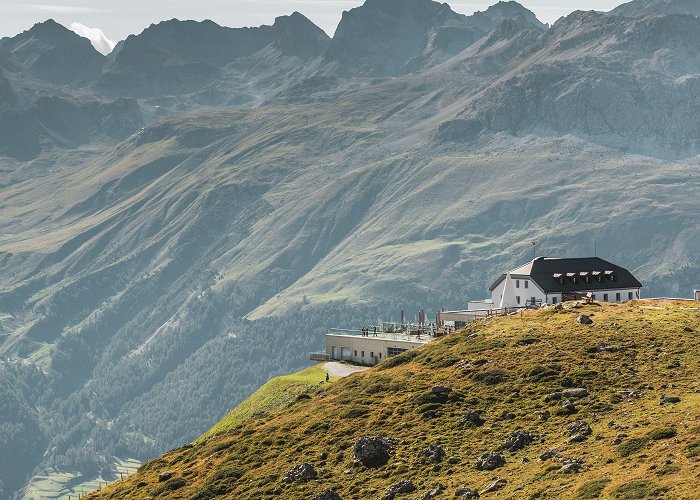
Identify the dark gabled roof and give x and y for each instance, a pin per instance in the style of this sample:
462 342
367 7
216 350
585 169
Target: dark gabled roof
574 275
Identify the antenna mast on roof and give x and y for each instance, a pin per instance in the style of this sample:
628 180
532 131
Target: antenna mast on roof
534 250
595 248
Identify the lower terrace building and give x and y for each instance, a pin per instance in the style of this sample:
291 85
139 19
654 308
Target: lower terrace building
371 348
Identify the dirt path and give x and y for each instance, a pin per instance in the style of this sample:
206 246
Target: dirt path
336 369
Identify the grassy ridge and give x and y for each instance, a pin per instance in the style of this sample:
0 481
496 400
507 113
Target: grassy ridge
634 355
274 395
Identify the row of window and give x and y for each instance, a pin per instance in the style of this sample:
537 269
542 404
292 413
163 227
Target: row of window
371 354
606 298
526 284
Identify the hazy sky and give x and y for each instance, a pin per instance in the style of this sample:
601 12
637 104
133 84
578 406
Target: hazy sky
119 18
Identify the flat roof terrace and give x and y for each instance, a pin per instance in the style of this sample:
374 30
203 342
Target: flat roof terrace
422 338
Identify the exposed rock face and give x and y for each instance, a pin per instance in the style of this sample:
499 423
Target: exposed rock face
564 83
642 7
373 451
53 53
669 400
399 488
183 56
393 37
490 460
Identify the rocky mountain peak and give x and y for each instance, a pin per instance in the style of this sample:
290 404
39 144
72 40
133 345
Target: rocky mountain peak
54 53
642 7
508 10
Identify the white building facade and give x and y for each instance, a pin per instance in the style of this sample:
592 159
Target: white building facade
547 280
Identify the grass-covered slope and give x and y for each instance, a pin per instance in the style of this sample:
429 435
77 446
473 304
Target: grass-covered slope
274 395
628 361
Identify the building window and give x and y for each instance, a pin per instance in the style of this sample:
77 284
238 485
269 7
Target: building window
380 355
371 354
355 353
517 283
517 299
363 353
605 297
629 296
554 300
393 351
618 297
526 283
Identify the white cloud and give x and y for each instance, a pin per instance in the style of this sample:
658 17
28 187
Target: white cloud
62 9
96 36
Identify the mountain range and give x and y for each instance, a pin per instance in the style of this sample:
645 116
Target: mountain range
184 217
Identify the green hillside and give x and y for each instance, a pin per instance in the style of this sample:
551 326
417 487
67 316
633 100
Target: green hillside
610 410
274 395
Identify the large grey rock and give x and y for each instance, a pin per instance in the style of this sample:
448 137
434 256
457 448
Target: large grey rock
300 473
434 453
584 319
490 460
579 427
328 494
373 451
399 488
517 440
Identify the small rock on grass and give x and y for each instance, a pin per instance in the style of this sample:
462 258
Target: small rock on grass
399 488
495 486
490 460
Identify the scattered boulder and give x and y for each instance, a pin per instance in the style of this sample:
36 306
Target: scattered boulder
577 392
554 452
579 427
688 329
373 451
543 415
495 486
300 473
584 319
433 453
473 418
466 492
517 440
435 492
328 494
399 488
669 400
570 468
490 460
577 438
164 476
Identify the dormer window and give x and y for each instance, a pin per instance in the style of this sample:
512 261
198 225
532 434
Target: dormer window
585 276
559 277
572 277
610 275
